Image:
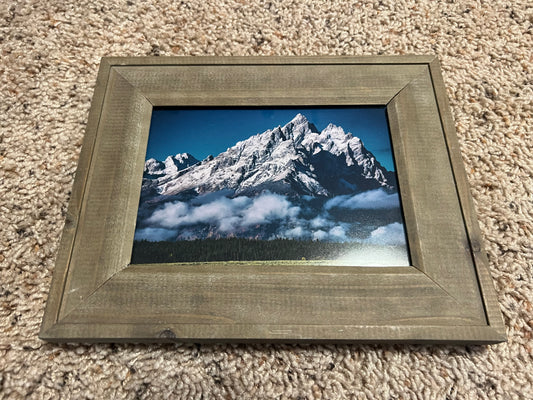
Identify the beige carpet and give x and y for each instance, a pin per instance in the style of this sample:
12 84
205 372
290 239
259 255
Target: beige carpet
50 52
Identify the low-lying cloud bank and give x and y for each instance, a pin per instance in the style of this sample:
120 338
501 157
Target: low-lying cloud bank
227 214
242 216
369 200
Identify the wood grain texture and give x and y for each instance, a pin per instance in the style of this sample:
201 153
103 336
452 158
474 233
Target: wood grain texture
272 60
212 333
266 295
62 263
488 292
269 84
109 207
435 225
97 296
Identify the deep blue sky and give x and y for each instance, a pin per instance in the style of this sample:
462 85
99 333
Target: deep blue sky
205 131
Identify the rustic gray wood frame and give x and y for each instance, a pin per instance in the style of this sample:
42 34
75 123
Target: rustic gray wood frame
446 296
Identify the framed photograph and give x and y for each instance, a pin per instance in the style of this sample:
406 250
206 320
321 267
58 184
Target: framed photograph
271 199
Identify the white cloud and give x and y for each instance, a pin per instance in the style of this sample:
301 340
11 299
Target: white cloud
220 211
388 235
338 233
227 216
371 199
225 213
214 212
320 222
320 235
169 215
229 224
296 233
267 208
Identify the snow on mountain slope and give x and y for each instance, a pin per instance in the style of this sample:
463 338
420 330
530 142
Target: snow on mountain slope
171 165
294 160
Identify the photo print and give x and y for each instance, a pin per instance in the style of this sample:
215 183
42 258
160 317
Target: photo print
277 185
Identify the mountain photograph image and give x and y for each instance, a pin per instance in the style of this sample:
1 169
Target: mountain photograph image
277 185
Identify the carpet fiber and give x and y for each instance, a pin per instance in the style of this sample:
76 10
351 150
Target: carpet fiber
50 51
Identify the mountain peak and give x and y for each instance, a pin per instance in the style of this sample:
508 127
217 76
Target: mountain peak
183 156
334 130
171 165
298 127
179 161
299 119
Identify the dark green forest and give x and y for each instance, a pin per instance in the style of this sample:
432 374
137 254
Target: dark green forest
235 249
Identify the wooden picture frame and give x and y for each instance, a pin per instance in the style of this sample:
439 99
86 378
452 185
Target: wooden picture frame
446 296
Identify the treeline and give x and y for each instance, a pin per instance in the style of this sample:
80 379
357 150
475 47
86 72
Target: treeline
235 249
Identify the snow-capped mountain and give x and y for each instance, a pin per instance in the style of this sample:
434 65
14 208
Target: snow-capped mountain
292 181
172 164
295 159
